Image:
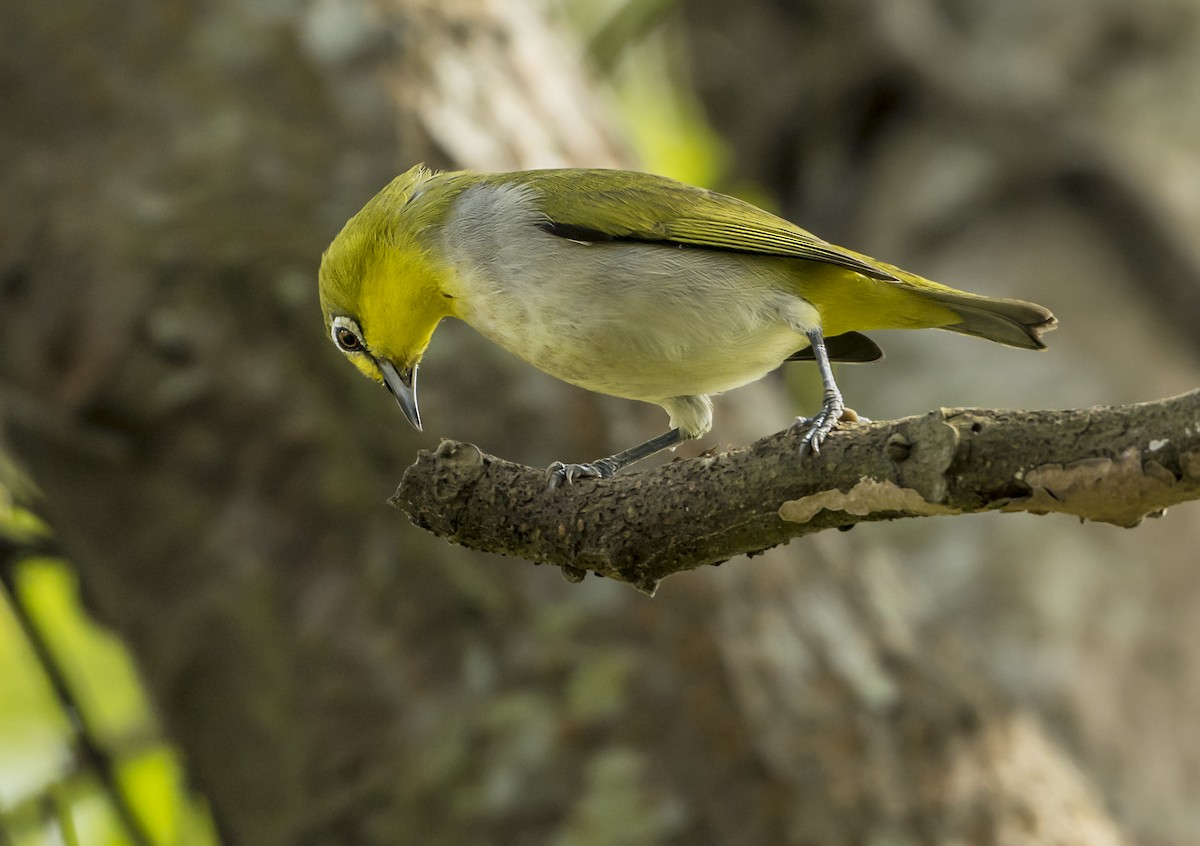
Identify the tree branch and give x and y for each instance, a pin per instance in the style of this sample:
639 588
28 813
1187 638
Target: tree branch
1107 464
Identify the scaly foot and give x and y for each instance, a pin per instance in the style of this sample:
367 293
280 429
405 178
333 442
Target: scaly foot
816 428
559 473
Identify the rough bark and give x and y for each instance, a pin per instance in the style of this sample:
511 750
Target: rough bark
1111 465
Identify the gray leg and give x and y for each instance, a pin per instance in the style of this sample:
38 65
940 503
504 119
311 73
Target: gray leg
832 406
557 473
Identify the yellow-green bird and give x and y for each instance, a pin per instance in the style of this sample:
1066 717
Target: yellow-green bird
626 284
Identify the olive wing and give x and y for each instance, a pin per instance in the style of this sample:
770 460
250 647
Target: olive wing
615 205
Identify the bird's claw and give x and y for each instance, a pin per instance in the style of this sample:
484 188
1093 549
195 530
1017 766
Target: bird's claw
559 473
817 427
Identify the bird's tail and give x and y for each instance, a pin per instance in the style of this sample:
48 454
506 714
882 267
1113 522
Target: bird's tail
1013 322
897 299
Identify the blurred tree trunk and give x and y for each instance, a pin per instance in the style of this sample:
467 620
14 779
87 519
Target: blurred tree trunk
219 475
1015 149
171 177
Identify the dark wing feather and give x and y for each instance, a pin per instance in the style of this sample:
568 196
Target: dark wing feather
609 205
849 347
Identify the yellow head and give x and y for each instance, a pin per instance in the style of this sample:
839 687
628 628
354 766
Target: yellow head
381 285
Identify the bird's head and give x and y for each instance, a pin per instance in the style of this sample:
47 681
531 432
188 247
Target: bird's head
381 287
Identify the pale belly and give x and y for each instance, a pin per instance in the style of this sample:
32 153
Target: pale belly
626 364
644 343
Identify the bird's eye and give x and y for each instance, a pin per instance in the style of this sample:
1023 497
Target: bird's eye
347 340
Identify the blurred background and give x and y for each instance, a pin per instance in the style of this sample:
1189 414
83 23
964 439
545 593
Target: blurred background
213 628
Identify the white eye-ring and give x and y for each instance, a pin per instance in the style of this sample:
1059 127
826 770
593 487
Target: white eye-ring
347 335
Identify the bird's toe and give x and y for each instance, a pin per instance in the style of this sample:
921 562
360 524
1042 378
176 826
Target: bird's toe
559 473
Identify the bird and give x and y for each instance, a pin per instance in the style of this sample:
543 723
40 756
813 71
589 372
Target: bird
628 284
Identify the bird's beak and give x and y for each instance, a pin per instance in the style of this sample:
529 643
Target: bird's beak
403 386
